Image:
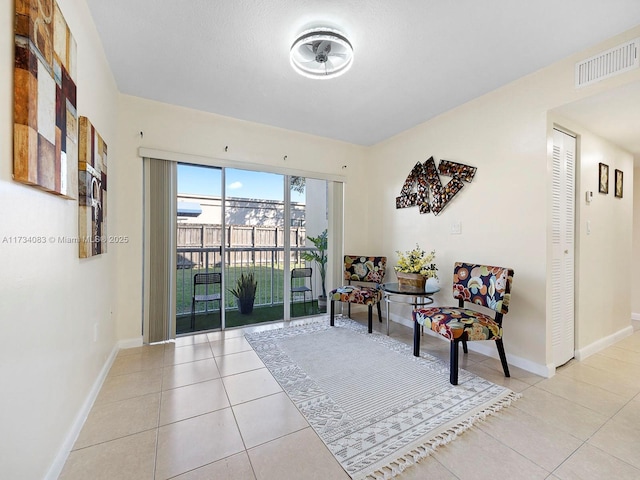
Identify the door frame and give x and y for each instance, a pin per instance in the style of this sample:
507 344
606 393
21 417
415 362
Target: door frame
335 209
551 365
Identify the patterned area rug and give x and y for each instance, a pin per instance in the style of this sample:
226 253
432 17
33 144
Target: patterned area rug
378 408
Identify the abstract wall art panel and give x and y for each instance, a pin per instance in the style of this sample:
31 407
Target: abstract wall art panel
458 170
409 199
92 191
45 118
425 177
441 195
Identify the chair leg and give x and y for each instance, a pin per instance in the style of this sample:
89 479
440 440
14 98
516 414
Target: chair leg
379 312
464 345
503 357
453 368
349 310
332 312
370 318
416 339
193 314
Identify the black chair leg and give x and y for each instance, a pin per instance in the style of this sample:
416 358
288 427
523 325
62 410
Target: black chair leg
453 369
370 318
193 314
464 345
503 357
349 310
379 312
416 339
332 310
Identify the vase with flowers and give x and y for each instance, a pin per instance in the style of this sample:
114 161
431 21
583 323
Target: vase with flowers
415 266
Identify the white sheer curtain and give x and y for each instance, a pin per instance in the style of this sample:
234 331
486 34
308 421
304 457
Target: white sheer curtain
159 320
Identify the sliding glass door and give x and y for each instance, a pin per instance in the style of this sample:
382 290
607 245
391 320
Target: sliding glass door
199 239
309 235
251 247
254 250
210 230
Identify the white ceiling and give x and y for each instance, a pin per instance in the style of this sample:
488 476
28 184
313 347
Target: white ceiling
413 59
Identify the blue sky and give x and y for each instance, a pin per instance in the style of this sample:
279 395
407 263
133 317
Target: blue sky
199 180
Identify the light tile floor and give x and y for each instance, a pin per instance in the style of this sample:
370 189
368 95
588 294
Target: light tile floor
205 407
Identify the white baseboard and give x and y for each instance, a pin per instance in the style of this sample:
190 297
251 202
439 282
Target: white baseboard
78 422
635 316
489 349
603 343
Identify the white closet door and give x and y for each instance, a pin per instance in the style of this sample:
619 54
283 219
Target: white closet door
563 243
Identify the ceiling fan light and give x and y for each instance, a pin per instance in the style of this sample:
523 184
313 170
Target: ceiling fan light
321 53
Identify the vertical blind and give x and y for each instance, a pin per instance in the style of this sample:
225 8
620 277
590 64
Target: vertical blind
160 250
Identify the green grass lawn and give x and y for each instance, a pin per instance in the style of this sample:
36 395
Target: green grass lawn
265 275
268 305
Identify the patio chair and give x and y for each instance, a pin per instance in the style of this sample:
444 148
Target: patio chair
475 285
299 284
204 290
367 273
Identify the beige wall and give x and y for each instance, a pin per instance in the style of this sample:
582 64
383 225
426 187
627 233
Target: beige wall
502 212
51 299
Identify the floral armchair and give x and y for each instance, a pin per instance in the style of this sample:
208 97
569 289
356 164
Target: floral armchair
482 285
367 273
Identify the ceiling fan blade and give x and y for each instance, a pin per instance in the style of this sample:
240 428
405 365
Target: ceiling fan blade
325 46
306 52
329 66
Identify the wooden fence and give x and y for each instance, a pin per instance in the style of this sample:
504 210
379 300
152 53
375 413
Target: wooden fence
206 235
198 236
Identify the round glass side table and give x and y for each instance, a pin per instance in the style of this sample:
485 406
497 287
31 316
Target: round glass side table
416 297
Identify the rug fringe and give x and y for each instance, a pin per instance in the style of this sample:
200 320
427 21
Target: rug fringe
397 466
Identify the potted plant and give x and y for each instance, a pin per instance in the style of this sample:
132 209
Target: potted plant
320 257
245 292
415 267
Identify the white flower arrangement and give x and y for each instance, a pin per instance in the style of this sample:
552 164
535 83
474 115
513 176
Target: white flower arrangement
417 261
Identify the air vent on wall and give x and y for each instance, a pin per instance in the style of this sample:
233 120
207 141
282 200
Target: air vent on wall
608 63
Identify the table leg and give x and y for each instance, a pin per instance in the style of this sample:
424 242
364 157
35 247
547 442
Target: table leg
386 300
416 339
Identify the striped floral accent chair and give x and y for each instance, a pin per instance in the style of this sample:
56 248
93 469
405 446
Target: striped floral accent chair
473 285
363 276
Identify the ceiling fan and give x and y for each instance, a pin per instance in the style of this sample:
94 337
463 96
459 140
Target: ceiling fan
321 53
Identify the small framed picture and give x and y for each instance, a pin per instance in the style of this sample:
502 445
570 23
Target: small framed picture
618 192
603 184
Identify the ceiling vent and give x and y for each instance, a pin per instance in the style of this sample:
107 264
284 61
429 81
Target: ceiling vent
608 63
